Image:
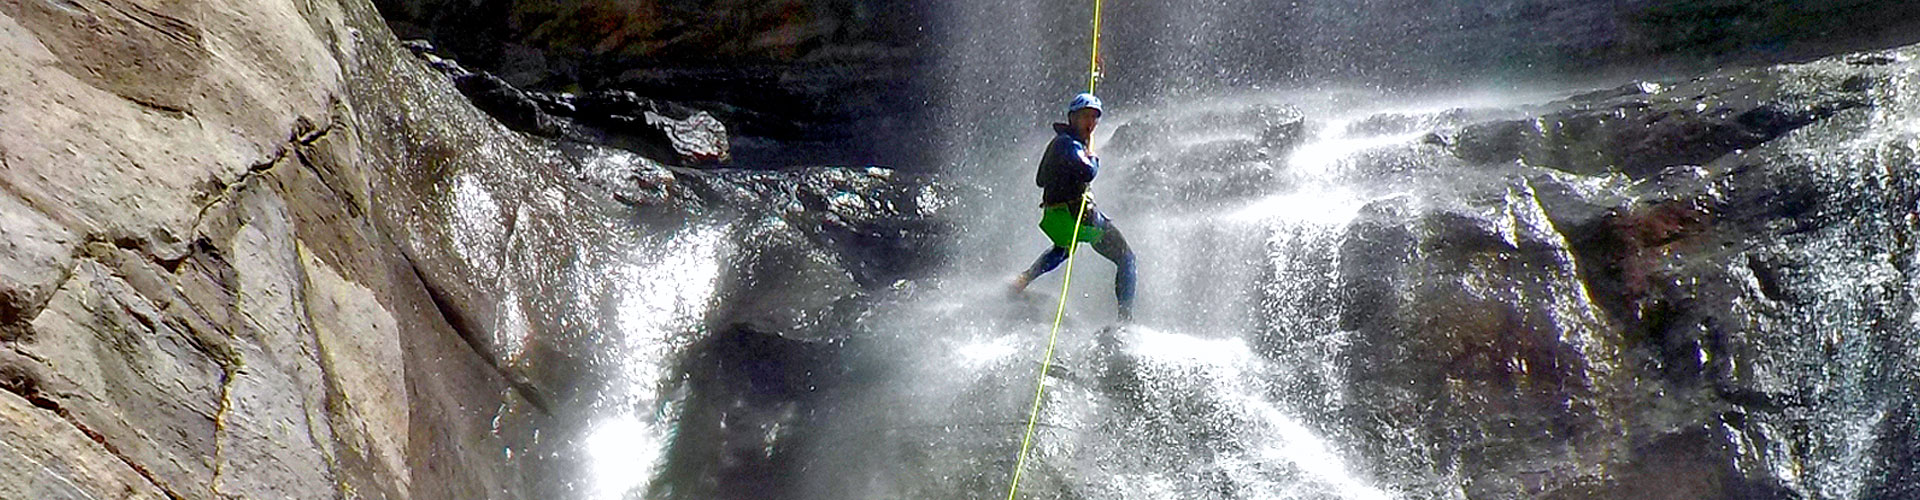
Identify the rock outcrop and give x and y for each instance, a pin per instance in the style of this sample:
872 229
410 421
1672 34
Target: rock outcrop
1642 128
667 132
1211 156
1686 289
201 300
259 250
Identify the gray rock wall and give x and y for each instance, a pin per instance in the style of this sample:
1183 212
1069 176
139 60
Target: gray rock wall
259 250
203 293
1687 289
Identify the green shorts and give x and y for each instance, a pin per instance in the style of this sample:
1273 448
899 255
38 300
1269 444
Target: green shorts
1058 222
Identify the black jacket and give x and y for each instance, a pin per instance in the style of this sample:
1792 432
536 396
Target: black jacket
1065 168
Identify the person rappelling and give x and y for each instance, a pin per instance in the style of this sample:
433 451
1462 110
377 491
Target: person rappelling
1066 168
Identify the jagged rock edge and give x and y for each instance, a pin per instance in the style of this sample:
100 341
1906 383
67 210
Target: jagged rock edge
469 334
28 389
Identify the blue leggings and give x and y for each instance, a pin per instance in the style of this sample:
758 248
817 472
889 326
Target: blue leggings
1113 246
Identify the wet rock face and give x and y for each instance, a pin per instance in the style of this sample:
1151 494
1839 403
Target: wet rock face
883 225
323 273
1660 289
586 273
739 287
1470 326
1702 462
1712 267
1222 156
572 265
1901 448
1266 125
1643 128
751 403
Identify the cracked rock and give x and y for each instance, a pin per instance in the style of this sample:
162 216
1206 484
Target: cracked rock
35 255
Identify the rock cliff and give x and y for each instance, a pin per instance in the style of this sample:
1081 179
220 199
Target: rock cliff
260 250
1670 289
204 295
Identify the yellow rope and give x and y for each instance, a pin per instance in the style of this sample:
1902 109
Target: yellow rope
1059 313
1093 63
1047 360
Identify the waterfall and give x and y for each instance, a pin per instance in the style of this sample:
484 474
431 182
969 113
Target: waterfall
1341 295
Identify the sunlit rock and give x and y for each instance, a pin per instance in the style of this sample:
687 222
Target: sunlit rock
1642 128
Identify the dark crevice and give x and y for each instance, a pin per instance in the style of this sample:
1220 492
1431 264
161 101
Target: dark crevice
307 161
99 246
169 110
469 332
1768 276
17 381
303 134
12 327
222 191
180 31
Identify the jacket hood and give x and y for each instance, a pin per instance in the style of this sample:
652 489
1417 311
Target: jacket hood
1063 128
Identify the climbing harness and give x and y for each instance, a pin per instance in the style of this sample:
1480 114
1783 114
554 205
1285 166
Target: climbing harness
1073 245
1059 224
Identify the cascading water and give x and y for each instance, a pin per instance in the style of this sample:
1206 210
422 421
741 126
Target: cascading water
1203 399
1344 294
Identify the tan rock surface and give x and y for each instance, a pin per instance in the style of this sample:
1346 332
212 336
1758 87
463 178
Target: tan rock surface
198 296
61 463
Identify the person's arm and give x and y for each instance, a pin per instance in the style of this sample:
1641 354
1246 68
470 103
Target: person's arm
1086 164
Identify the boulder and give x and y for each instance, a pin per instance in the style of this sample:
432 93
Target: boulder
878 224
1731 282
1472 332
1204 173
510 105
666 132
673 133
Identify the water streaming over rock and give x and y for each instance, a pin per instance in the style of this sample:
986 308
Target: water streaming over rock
1676 289
291 260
